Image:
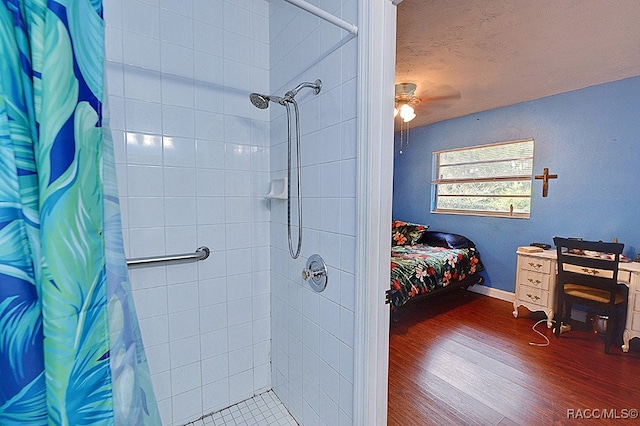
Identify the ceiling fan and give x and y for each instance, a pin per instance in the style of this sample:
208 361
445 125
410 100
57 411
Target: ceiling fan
409 101
408 104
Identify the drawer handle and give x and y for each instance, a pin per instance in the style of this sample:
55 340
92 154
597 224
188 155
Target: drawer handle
532 281
535 265
532 297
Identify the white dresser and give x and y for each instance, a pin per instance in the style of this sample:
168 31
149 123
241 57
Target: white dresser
536 283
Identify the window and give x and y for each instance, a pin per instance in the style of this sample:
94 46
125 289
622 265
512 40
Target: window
486 180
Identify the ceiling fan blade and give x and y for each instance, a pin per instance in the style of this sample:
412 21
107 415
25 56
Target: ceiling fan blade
450 97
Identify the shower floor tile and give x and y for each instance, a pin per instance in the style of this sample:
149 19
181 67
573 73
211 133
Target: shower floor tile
261 410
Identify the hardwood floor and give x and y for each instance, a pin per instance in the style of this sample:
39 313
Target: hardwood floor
463 359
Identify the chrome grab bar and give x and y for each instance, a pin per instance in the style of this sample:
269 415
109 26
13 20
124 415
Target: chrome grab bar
200 254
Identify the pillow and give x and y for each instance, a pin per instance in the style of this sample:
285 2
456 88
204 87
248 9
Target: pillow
446 239
406 233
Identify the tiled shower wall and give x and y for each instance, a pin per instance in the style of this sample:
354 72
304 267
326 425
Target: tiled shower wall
193 167
313 333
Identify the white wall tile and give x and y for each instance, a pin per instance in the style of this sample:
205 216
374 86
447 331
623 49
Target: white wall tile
143 116
241 385
184 7
204 33
215 395
212 291
240 360
151 303
209 125
180 210
346 401
148 277
146 212
262 377
159 357
113 13
179 152
182 297
180 182
236 19
240 336
140 50
240 311
116 108
177 60
184 324
178 91
142 18
329 381
178 121
237 262
261 330
207 10
215 368
214 343
330 316
238 209
185 352
213 317
211 183
162 385
211 210
143 149
187 405
176 28
155 330
239 235
142 84
216 266
180 272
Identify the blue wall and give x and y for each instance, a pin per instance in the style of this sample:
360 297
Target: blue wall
590 138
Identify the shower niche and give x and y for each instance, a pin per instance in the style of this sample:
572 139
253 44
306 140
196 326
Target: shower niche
278 189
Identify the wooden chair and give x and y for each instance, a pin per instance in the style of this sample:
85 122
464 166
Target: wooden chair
588 275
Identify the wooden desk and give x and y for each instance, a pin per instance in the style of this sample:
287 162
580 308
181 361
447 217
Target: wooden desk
536 284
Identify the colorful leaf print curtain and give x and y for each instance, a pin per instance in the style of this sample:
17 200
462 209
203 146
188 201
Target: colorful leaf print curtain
70 347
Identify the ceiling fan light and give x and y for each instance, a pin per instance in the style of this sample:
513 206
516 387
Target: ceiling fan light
407 113
409 117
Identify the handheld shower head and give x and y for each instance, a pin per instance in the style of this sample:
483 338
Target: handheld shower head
262 101
259 101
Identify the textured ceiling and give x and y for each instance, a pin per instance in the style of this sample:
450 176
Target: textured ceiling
476 55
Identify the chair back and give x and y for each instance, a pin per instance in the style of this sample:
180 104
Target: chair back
588 263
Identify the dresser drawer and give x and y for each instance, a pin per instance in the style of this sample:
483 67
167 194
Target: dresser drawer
635 322
535 264
533 295
534 279
624 277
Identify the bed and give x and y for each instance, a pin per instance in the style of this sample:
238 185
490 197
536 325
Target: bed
425 263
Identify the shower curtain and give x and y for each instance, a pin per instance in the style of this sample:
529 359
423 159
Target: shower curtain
70 347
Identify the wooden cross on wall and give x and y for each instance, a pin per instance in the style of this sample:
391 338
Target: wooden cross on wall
545 176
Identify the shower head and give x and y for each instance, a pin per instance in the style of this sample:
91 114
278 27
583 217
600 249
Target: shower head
262 101
259 101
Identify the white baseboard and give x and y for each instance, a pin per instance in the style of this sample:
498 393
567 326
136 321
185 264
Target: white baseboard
507 296
496 293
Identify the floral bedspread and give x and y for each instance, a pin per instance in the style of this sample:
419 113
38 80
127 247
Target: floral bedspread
420 269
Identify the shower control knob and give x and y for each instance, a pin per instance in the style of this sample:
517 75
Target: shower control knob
308 273
315 273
